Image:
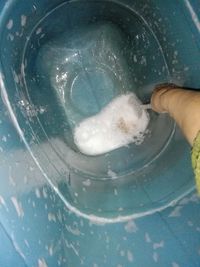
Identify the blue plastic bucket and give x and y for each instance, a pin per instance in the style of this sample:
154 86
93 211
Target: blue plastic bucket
63 61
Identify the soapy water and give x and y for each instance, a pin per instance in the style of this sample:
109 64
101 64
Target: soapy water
87 72
79 68
121 122
75 74
88 68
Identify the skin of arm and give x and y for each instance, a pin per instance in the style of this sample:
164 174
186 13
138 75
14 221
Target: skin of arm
182 105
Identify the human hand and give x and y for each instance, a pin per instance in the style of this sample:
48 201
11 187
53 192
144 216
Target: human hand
183 105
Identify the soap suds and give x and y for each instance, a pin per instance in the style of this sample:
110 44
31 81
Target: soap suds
121 122
38 31
112 174
18 207
42 263
23 20
9 24
131 227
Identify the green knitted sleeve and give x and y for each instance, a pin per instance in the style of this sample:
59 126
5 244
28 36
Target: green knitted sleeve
196 160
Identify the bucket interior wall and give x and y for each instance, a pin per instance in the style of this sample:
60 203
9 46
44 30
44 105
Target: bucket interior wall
57 205
107 48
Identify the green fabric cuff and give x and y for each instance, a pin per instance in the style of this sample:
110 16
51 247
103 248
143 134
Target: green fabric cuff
196 160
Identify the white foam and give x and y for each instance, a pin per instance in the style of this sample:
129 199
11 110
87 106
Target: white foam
120 123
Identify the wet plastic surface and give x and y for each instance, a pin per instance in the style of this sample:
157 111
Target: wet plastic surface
40 187
65 71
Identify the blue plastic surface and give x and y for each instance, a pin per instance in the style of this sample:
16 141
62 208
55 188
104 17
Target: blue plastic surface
37 227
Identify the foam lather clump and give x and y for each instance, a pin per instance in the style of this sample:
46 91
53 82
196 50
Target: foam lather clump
118 124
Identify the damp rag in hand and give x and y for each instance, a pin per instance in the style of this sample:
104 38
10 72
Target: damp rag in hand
118 124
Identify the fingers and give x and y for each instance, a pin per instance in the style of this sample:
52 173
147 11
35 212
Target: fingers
182 104
158 98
